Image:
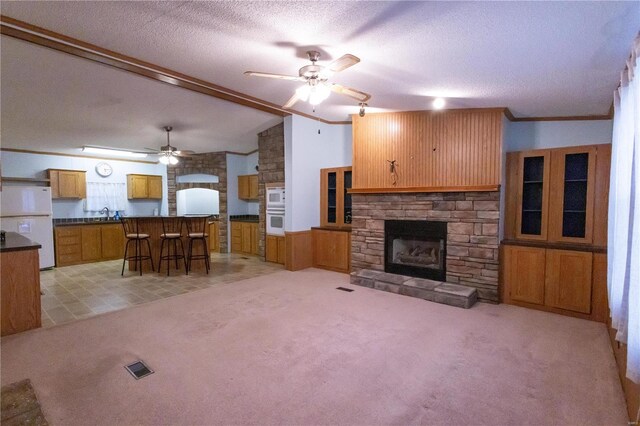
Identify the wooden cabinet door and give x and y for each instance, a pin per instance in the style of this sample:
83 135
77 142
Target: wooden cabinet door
236 237
524 274
70 185
568 280
137 187
246 237
332 250
213 237
154 187
533 194
253 187
254 238
572 190
112 244
91 243
243 187
54 183
271 249
282 252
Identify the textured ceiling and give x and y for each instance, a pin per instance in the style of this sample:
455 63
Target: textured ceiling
52 101
537 58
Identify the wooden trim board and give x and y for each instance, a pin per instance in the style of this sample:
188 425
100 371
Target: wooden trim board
479 188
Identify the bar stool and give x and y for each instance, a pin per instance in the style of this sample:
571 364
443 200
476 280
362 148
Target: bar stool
197 231
133 235
171 234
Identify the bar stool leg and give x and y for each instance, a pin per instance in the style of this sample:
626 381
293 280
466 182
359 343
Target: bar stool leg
184 257
161 249
126 250
150 256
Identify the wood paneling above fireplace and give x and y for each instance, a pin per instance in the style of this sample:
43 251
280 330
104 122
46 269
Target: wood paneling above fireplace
456 150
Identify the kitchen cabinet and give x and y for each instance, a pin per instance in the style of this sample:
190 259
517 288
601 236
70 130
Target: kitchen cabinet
332 249
335 200
214 236
70 184
144 187
244 237
568 280
20 281
248 187
275 249
88 243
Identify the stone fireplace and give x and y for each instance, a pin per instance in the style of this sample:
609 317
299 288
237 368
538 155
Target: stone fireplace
469 252
416 248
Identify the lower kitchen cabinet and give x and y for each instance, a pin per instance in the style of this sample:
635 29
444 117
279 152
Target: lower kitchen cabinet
214 236
562 281
332 249
244 237
88 243
275 249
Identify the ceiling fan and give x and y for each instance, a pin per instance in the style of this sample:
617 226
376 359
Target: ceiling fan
317 87
169 154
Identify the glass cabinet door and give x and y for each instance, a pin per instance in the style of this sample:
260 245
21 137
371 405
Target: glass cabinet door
335 200
347 197
533 195
572 201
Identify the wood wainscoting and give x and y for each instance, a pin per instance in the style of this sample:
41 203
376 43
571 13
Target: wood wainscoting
432 149
631 389
298 250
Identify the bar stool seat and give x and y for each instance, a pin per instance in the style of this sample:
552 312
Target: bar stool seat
133 235
197 232
172 235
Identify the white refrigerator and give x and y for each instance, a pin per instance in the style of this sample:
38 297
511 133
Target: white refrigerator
27 210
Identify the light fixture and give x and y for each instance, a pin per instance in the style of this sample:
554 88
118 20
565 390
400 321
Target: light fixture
168 159
112 152
315 92
362 105
439 103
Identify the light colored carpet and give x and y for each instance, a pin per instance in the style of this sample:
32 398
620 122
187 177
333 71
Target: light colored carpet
290 348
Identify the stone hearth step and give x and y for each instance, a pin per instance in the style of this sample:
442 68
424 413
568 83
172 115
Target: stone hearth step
434 291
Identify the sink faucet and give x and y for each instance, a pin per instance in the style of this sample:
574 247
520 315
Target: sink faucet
105 210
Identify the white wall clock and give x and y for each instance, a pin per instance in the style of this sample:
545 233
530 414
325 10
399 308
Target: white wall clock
104 169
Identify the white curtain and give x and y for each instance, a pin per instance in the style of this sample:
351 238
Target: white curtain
623 277
101 195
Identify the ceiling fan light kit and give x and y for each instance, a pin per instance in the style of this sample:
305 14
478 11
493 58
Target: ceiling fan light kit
317 87
168 154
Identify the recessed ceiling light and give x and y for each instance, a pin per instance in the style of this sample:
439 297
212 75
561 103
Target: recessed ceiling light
439 103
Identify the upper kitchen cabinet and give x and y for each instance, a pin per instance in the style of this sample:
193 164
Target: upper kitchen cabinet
68 183
144 187
248 187
335 199
427 151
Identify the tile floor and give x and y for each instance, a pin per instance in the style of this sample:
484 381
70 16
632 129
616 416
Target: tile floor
81 291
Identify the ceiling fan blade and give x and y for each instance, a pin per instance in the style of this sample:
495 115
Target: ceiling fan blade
184 153
154 151
278 76
343 62
292 100
352 93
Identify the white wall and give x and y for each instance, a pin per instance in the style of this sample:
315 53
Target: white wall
527 135
18 164
306 152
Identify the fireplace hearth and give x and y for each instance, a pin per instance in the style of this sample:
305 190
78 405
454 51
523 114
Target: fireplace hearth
416 248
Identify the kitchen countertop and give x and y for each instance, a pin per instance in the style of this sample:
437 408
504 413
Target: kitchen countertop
111 221
17 242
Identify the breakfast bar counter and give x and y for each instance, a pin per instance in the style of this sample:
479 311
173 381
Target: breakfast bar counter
152 225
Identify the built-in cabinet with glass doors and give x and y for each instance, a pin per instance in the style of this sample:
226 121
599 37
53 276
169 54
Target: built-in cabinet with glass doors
554 250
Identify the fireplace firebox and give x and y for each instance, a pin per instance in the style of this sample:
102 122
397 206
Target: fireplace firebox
416 248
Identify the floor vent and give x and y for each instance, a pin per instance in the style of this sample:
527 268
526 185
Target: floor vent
344 289
138 369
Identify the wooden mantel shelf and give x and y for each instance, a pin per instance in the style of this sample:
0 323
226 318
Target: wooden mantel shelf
477 188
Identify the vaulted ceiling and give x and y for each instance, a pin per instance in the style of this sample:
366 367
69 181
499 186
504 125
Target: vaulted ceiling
536 58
